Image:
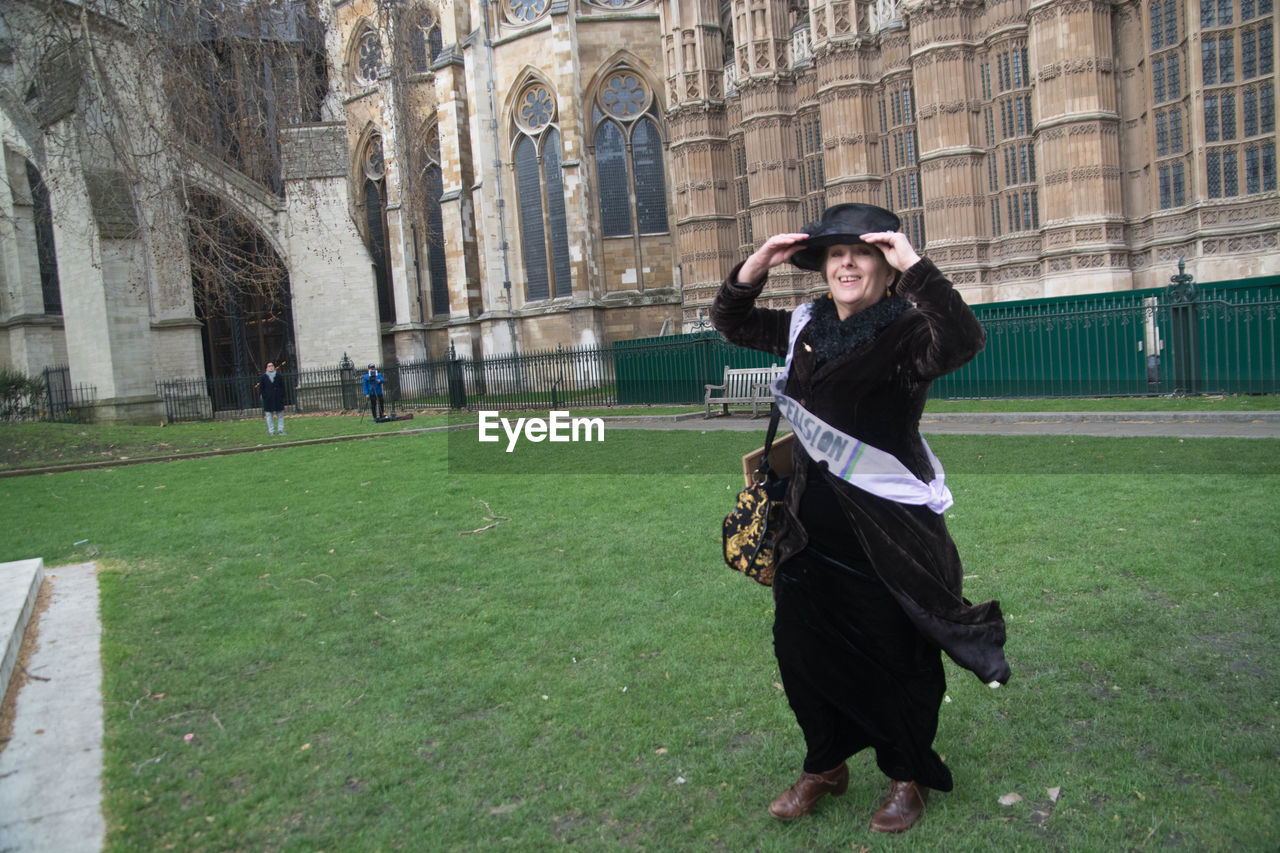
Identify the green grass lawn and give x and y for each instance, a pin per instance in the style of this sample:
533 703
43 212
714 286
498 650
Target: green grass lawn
375 645
28 445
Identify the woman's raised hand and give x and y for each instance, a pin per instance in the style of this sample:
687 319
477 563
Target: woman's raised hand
778 249
896 248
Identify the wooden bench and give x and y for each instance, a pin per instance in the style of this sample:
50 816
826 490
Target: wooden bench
742 386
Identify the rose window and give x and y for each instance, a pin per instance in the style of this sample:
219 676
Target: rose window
536 108
370 56
624 96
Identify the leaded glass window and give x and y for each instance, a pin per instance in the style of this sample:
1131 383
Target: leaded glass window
526 11
540 195
536 109
533 237
624 96
425 43
46 256
1230 185
627 143
376 224
1228 111
1014 147
553 176
1249 54
375 167
1221 170
742 193
437 266
1266 49
651 185
1209 60
813 191
611 174
370 57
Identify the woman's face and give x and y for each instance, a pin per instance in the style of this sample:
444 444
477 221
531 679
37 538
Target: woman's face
858 276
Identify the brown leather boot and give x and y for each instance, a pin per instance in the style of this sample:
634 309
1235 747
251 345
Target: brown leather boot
798 800
903 806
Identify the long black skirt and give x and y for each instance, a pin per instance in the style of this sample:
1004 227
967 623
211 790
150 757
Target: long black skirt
856 672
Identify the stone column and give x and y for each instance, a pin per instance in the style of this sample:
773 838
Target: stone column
1078 142
693 44
30 339
458 174
105 291
335 308
944 43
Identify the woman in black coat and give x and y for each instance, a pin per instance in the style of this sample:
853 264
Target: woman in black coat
867 585
271 389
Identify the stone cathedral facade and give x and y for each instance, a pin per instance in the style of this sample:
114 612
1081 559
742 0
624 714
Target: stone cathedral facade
1034 149
490 176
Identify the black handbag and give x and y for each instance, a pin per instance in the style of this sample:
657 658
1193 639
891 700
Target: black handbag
748 532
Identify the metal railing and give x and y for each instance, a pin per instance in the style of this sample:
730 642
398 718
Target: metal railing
1217 340
1155 342
65 402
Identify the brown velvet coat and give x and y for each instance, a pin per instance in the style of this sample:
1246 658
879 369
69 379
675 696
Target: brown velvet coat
876 393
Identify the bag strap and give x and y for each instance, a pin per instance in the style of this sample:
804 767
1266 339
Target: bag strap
763 471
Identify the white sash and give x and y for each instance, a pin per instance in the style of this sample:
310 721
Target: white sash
856 462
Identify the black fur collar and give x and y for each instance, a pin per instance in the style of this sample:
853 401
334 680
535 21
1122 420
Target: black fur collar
830 337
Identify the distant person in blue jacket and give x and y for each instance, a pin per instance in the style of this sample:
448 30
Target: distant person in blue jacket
373 390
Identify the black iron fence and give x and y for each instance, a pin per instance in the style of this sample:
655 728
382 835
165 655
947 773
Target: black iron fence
1178 340
1216 339
50 396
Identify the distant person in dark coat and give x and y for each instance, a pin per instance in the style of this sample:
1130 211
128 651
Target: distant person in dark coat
372 382
271 387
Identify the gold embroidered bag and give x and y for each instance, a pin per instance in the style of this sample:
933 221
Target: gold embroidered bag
749 530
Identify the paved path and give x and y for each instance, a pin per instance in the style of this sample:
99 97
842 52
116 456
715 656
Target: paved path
51 769
1118 424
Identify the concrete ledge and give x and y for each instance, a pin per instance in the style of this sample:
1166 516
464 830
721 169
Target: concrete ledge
19 585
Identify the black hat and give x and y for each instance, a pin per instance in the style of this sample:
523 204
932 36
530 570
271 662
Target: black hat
842 224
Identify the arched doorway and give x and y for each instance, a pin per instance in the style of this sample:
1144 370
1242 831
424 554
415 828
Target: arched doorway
241 289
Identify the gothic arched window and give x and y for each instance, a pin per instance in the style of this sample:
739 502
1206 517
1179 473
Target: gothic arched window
628 152
375 208
544 234
425 43
46 255
1169 94
433 188
525 11
368 57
